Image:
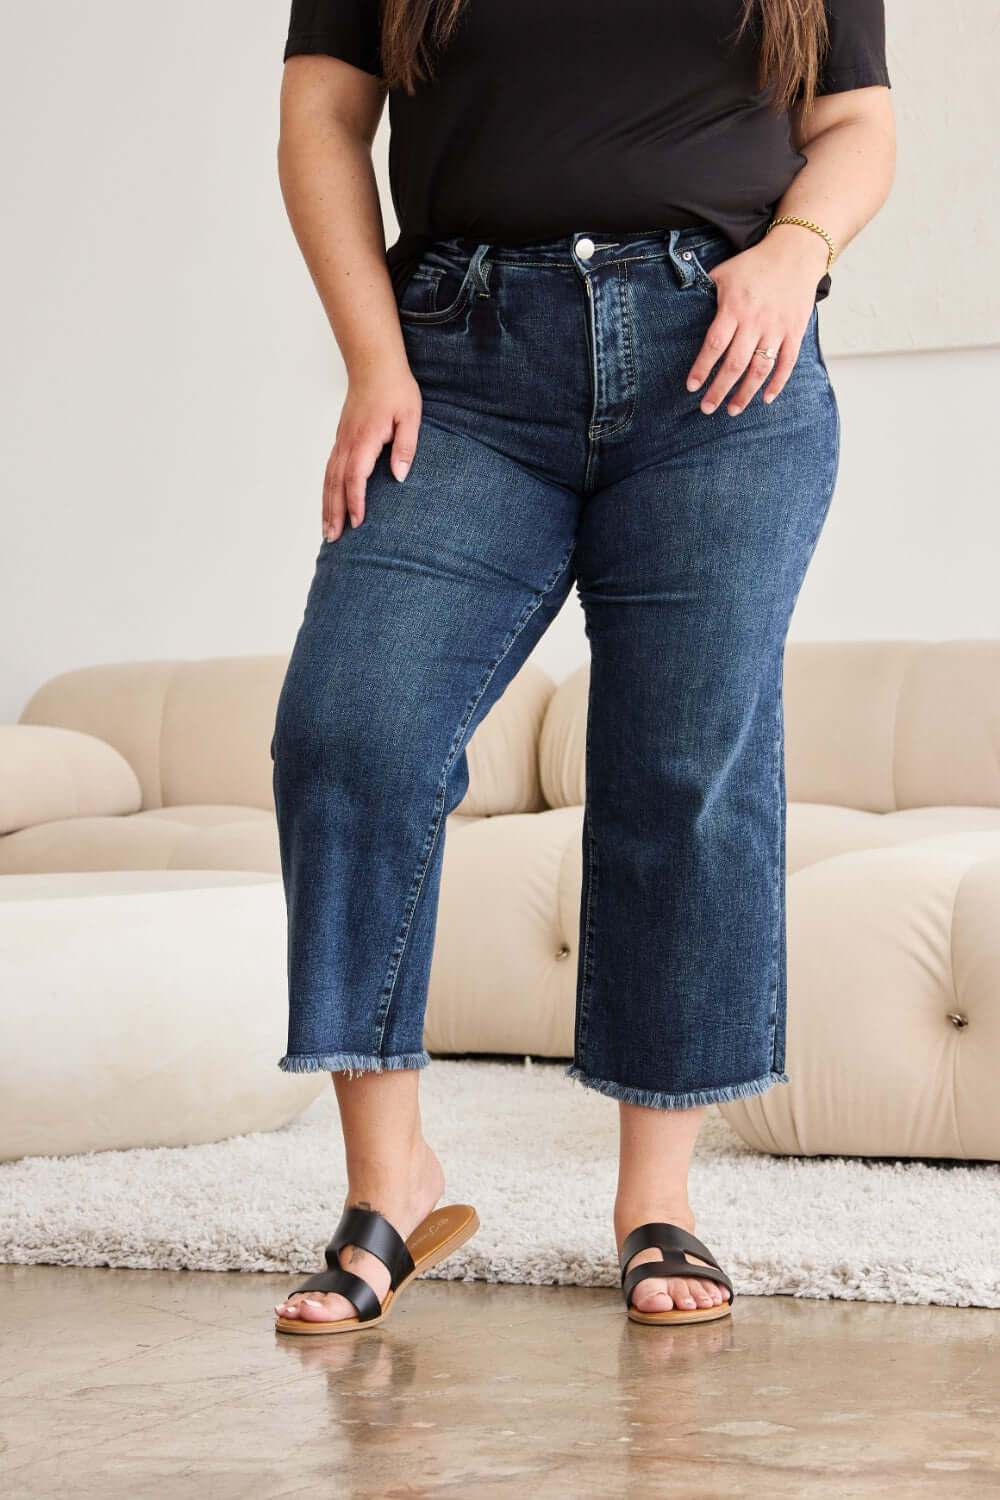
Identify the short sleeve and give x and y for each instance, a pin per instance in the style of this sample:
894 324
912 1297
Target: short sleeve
339 28
856 56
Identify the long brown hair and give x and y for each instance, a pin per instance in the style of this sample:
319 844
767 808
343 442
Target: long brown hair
792 36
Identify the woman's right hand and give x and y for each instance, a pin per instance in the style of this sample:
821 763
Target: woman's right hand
382 406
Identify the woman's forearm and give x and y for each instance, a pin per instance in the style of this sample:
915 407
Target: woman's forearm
767 293
328 183
846 178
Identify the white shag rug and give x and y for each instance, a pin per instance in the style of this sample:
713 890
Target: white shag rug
536 1153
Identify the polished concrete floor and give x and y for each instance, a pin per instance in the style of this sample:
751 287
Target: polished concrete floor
170 1383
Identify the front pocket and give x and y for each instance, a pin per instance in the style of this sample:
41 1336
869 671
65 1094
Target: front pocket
706 258
434 293
702 278
420 292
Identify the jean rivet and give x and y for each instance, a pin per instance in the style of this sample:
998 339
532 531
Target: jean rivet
686 255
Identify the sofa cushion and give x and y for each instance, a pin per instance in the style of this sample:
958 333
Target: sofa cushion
886 725
893 1007
562 741
166 838
48 774
195 731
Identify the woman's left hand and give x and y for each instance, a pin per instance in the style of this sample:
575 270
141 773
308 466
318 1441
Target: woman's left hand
766 297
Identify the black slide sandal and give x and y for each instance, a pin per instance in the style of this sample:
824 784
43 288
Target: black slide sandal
441 1232
672 1241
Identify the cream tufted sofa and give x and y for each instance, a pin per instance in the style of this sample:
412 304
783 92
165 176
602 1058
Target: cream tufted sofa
893 889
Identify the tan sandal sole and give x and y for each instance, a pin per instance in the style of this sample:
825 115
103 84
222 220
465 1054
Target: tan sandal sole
433 1240
682 1315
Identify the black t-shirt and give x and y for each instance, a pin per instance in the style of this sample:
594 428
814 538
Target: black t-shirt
546 117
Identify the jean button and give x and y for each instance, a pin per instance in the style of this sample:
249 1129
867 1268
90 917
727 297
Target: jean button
585 248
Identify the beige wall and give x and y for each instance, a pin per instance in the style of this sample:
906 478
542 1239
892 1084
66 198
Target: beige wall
170 389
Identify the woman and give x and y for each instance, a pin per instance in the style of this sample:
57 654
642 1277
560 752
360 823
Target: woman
612 221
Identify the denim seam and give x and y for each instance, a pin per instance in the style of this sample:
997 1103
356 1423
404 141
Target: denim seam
780 883
571 264
409 316
438 316
816 340
777 913
601 430
533 604
594 346
783 887
587 955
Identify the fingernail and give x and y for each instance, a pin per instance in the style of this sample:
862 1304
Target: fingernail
693 384
708 406
402 470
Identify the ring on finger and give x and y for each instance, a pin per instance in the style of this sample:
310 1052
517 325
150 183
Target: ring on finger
735 406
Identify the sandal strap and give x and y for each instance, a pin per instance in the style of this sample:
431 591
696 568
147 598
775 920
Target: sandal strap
367 1227
673 1264
348 1285
663 1237
671 1241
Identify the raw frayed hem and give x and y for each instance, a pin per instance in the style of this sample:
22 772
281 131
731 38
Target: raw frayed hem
349 1062
690 1100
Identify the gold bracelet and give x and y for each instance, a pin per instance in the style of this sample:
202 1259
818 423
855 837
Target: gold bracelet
808 223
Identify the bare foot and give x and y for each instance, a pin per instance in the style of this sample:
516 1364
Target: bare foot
658 1293
419 1189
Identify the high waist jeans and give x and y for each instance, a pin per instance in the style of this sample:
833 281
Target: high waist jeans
559 445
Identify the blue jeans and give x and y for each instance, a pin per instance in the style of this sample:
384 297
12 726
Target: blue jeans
559 444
